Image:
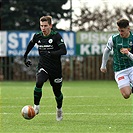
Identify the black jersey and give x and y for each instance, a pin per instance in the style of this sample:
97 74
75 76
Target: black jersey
52 47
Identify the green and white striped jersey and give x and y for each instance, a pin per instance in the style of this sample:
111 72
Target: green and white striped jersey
116 42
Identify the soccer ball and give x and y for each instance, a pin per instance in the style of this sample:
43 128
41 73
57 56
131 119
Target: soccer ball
28 112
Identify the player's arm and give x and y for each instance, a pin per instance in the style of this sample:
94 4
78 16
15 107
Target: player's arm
126 51
28 49
62 48
130 55
105 58
106 54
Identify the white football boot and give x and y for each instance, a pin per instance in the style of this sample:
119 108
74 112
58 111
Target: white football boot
59 114
36 108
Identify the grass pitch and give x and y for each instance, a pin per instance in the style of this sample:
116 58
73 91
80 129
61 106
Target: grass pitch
88 107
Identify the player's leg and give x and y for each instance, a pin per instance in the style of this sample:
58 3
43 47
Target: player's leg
56 86
41 77
131 78
123 81
126 91
131 85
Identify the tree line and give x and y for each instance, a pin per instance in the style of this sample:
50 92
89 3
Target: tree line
24 15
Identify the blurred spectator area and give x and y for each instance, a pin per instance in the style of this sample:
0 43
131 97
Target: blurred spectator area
73 68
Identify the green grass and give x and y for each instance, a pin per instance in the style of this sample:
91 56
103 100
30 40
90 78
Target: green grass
89 107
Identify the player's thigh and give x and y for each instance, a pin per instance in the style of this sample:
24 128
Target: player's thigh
122 79
41 76
131 75
56 81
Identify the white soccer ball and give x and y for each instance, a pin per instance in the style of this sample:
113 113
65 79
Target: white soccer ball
28 112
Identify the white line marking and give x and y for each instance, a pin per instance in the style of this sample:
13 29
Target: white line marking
75 105
95 114
47 97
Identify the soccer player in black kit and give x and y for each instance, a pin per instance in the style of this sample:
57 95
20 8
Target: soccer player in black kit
50 46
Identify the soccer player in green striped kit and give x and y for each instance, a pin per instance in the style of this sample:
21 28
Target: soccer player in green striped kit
121 44
50 47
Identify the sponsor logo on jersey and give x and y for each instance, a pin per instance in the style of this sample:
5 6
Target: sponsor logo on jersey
119 44
58 80
44 47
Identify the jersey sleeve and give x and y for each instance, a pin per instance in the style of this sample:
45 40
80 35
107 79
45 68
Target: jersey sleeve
59 39
130 55
110 43
105 57
30 46
106 52
62 48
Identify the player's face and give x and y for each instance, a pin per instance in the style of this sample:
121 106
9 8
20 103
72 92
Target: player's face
124 32
45 28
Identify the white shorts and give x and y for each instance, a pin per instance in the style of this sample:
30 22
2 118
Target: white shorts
124 77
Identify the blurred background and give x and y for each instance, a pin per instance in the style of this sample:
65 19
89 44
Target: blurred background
85 26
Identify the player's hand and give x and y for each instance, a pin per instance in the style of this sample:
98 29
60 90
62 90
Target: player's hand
104 70
124 50
27 62
44 53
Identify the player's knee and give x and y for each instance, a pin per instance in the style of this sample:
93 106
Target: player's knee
126 92
126 95
39 84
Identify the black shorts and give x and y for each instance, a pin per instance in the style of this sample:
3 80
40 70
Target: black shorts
42 76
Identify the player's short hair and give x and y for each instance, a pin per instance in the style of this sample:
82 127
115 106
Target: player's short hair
46 18
123 23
